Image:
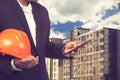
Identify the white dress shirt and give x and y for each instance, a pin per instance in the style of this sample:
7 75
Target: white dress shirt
30 20
32 26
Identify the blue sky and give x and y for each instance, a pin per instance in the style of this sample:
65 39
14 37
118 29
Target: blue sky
66 27
67 14
113 11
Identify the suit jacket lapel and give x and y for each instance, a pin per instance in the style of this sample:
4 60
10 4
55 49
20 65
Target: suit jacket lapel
21 15
38 21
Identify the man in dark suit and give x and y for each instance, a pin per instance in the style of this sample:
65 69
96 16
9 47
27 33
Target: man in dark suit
33 19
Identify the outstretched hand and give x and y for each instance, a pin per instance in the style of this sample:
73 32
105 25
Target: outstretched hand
70 46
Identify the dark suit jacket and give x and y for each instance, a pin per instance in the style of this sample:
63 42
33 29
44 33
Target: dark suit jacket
12 16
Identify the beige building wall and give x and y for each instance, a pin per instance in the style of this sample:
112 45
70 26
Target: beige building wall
92 61
48 66
91 58
55 69
53 64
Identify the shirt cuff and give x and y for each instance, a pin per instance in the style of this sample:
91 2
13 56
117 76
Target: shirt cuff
14 68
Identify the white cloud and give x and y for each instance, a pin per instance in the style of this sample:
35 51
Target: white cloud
72 10
98 22
82 10
111 22
56 34
69 10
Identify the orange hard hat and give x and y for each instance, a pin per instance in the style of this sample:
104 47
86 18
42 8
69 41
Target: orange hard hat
15 43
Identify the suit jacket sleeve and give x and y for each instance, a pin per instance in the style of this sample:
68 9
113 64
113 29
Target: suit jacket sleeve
52 50
55 50
5 64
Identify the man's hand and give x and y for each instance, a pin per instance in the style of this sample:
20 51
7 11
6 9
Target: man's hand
68 47
27 62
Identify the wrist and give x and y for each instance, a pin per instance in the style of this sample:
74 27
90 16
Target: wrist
14 67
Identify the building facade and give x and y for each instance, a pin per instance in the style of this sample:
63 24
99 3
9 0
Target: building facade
54 66
98 59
